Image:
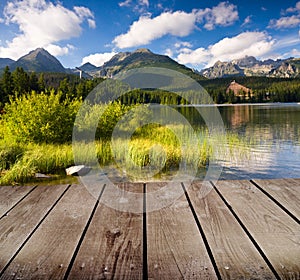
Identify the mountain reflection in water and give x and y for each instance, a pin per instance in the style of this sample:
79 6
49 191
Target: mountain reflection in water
275 149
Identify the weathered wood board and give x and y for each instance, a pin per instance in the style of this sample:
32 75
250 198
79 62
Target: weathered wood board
234 231
175 249
276 233
285 191
19 224
236 257
48 252
112 247
10 196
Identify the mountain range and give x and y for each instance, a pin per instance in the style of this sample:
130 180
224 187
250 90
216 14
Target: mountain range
136 59
40 60
250 66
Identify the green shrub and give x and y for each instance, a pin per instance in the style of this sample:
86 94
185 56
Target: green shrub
40 118
101 119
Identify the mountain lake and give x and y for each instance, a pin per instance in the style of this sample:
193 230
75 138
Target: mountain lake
274 133
270 147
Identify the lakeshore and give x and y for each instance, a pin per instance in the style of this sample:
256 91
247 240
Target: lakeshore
238 229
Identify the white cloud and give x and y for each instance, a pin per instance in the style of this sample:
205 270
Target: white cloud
92 23
83 12
247 20
169 52
287 42
144 2
182 44
287 21
57 50
194 57
294 9
295 52
125 3
247 43
98 59
224 14
137 6
42 24
178 23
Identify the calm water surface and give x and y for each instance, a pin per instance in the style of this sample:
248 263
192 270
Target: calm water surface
275 133
271 148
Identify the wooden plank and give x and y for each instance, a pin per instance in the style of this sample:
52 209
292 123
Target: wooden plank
236 257
49 251
275 232
112 247
174 245
285 191
18 225
9 196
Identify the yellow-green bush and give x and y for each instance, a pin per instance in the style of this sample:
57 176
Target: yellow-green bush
40 118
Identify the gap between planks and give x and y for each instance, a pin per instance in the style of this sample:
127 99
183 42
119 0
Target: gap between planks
19 241
272 229
144 235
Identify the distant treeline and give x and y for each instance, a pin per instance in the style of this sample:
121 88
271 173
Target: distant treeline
70 86
19 82
264 89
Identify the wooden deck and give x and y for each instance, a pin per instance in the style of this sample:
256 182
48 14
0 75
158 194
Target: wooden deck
239 230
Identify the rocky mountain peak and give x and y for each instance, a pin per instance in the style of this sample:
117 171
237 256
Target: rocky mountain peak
222 69
247 61
37 52
88 67
219 63
250 66
143 50
285 70
39 60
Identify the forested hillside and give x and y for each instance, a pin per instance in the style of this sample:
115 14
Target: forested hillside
19 82
38 112
264 89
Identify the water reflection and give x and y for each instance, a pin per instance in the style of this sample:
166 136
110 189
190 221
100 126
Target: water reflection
275 151
271 148
236 116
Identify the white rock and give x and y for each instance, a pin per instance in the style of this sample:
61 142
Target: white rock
78 170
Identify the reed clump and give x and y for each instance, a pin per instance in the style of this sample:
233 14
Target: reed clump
43 158
163 148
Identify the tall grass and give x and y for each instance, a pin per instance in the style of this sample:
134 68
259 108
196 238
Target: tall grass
45 158
9 155
163 148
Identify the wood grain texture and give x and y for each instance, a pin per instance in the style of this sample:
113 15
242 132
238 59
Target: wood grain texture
112 247
9 196
235 255
40 236
277 234
49 251
174 244
285 191
17 226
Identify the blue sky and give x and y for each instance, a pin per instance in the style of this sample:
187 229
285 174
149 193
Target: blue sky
196 33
